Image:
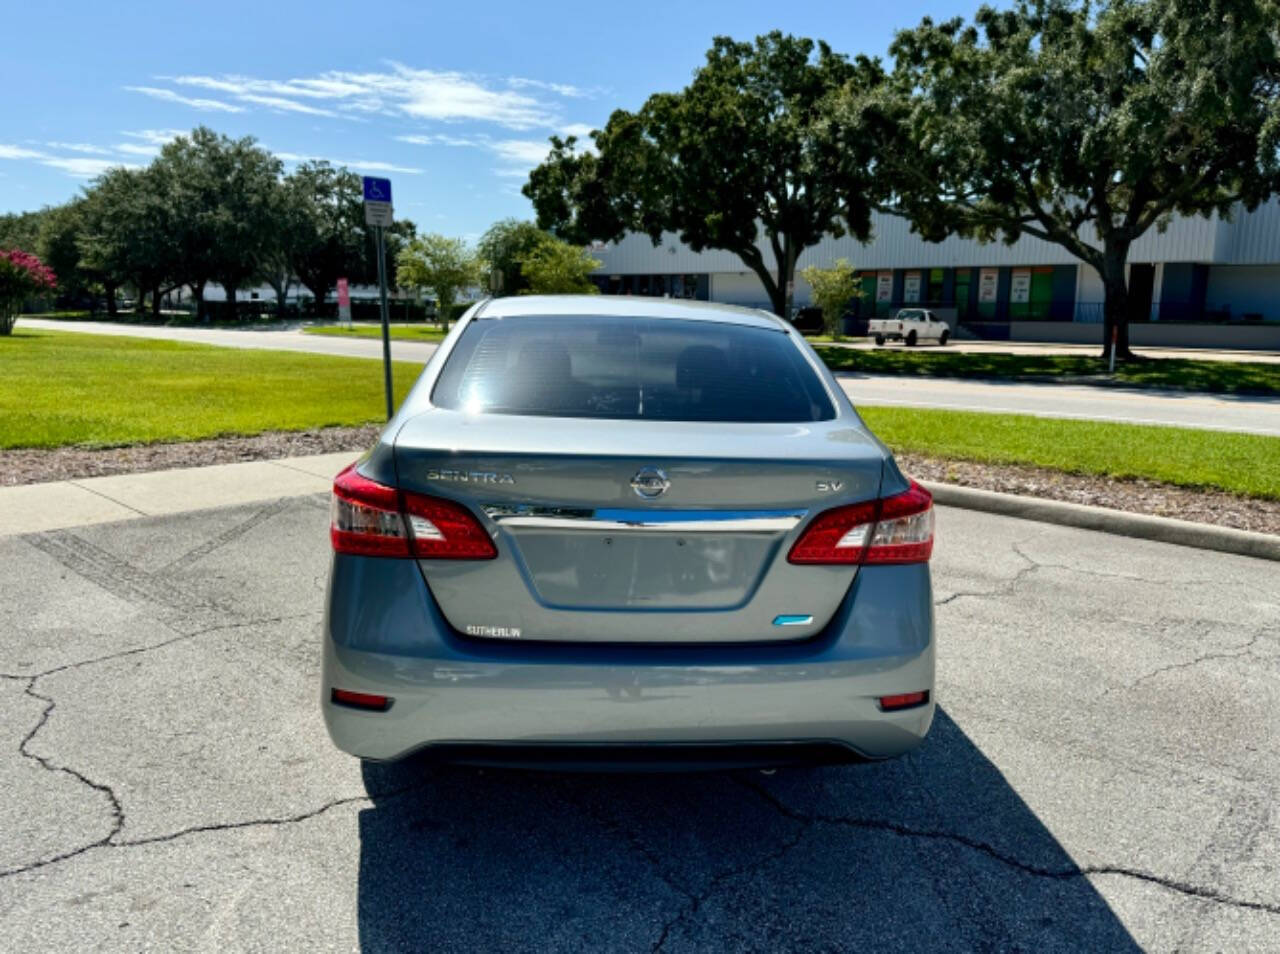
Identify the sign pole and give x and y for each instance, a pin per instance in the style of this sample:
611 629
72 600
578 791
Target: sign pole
377 213
386 326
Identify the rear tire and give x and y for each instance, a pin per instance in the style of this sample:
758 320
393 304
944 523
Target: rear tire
880 339
942 338
911 339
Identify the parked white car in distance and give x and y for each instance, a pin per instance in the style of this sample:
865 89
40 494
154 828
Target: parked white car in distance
910 325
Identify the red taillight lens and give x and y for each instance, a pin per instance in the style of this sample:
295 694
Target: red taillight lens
904 528
360 700
897 529
905 700
371 519
444 530
837 536
365 517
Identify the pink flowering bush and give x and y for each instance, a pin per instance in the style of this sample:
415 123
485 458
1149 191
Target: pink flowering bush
22 276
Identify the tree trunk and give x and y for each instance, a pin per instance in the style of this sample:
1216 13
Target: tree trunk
231 300
282 297
1115 308
110 289
155 302
787 276
197 293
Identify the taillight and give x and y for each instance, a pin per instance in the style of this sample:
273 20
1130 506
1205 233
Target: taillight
897 529
904 700
365 517
444 530
372 519
360 700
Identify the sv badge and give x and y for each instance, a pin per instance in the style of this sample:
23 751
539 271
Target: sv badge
829 486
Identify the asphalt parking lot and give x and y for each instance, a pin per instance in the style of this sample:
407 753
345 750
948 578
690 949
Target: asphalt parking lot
1104 773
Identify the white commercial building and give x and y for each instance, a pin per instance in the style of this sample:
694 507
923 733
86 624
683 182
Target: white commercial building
1201 281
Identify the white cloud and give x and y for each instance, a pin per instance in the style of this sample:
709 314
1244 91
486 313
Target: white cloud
562 89
19 152
83 167
448 97
169 96
440 96
356 165
524 152
84 147
441 140
137 149
285 105
517 156
157 137
581 130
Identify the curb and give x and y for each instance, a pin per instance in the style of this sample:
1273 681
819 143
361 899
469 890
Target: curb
1263 546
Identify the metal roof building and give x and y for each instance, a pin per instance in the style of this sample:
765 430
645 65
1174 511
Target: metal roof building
1220 276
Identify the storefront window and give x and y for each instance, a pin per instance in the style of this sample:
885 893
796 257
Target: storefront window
935 285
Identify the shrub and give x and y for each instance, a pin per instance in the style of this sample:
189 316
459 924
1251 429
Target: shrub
833 289
22 276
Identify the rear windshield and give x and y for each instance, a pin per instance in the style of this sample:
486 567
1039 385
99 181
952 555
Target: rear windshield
624 368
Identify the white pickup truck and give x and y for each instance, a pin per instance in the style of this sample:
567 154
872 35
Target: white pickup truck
910 325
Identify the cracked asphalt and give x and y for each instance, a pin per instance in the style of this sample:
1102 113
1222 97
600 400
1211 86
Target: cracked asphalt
1103 773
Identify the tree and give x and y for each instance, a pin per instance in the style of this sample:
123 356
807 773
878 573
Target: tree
443 266
330 241
504 246
746 150
276 266
833 289
1083 124
21 229
225 192
553 267
22 276
59 247
129 233
395 236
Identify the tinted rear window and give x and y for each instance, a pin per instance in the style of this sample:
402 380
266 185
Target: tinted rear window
630 368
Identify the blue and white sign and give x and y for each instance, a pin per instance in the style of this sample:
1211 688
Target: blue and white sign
377 202
377 190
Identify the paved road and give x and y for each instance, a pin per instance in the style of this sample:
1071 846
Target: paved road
1251 415
272 339
295 340
1035 347
1102 775
1254 415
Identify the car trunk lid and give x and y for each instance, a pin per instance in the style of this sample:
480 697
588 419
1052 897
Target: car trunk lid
637 531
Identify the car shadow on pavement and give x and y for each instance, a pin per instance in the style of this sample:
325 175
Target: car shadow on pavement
932 851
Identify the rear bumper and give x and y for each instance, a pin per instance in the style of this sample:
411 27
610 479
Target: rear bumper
384 634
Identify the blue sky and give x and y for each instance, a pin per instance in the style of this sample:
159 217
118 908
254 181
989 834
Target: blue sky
453 101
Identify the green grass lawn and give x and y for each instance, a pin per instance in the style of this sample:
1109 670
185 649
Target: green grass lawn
1239 463
63 388
1220 377
401 332
60 388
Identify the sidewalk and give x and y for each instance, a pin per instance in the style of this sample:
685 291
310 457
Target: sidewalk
35 508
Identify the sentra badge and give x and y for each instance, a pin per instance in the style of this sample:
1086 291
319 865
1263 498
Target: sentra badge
471 476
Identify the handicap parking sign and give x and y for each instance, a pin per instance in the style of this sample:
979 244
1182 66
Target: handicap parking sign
377 190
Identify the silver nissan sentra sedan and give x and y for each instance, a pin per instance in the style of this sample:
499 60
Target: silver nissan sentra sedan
614 530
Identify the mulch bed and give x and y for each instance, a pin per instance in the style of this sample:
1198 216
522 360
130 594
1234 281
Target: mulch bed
70 463
1135 496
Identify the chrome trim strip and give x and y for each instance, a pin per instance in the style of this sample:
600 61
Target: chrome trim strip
662 521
